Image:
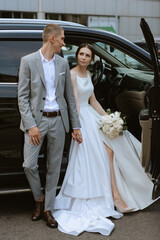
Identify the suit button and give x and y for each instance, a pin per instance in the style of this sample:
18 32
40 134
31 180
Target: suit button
44 98
41 110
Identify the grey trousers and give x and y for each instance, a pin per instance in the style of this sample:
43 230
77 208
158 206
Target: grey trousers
54 129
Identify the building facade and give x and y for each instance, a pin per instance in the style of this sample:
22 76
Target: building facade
119 16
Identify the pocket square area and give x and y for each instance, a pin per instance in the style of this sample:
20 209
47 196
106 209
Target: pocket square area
61 73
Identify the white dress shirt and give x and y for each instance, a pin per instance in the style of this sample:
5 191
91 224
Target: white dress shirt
49 74
50 104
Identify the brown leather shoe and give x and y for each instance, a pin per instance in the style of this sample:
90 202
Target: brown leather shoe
51 222
38 211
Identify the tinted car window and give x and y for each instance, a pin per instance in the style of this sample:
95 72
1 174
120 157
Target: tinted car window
123 57
145 47
11 53
69 52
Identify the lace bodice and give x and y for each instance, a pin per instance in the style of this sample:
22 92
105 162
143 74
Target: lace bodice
85 89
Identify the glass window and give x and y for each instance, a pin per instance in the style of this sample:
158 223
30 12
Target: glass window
11 53
5 14
82 19
52 16
17 14
69 52
29 15
123 57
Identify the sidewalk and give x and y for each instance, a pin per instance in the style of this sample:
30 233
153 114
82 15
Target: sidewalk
16 224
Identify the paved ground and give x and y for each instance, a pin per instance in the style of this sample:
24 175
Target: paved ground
15 223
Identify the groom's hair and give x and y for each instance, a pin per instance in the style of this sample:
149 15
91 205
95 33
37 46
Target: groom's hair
51 29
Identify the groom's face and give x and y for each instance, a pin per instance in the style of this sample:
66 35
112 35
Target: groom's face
58 42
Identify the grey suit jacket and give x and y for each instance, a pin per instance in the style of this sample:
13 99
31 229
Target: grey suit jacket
32 92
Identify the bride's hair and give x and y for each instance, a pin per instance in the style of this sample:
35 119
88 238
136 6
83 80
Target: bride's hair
87 45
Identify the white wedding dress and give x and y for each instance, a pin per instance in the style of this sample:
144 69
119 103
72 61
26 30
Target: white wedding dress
85 201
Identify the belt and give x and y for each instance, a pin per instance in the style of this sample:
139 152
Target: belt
52 114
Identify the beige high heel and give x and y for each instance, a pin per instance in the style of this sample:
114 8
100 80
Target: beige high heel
123 210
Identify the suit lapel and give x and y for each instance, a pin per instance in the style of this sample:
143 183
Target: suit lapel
57 69
40 67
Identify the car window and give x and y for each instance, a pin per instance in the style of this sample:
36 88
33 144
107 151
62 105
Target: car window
145 47
103 54
11 53
123 57
69 52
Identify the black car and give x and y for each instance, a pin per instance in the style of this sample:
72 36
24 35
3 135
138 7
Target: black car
143 44
151 118
122 73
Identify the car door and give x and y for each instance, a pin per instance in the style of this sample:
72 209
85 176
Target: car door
152 117
11 147
11 137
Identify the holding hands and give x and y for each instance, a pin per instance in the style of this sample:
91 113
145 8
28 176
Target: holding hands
77 135
35 137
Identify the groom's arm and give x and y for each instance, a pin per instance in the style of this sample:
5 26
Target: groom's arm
24 95
72 108
69 95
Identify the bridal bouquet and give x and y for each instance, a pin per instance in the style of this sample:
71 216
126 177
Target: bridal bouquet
113 124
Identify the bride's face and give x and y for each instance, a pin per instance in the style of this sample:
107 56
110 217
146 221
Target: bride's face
84 56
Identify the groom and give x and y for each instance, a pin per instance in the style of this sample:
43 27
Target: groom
45 97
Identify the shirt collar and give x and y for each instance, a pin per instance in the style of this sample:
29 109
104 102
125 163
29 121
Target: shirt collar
44 59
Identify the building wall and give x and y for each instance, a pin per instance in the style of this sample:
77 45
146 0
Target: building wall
127 13
19 5
130 15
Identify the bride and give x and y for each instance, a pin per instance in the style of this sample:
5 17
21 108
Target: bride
102 172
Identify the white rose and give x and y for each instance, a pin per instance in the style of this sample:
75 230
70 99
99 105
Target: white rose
117 114
105 119
120 128
112 130
116 124
105 128
110 123
121 121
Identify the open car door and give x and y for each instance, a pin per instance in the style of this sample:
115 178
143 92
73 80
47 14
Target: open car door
150 119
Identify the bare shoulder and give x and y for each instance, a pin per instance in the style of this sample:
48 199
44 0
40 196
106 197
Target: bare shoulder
88 72
73 74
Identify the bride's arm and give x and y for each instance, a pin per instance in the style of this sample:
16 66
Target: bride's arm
75 90
96 105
